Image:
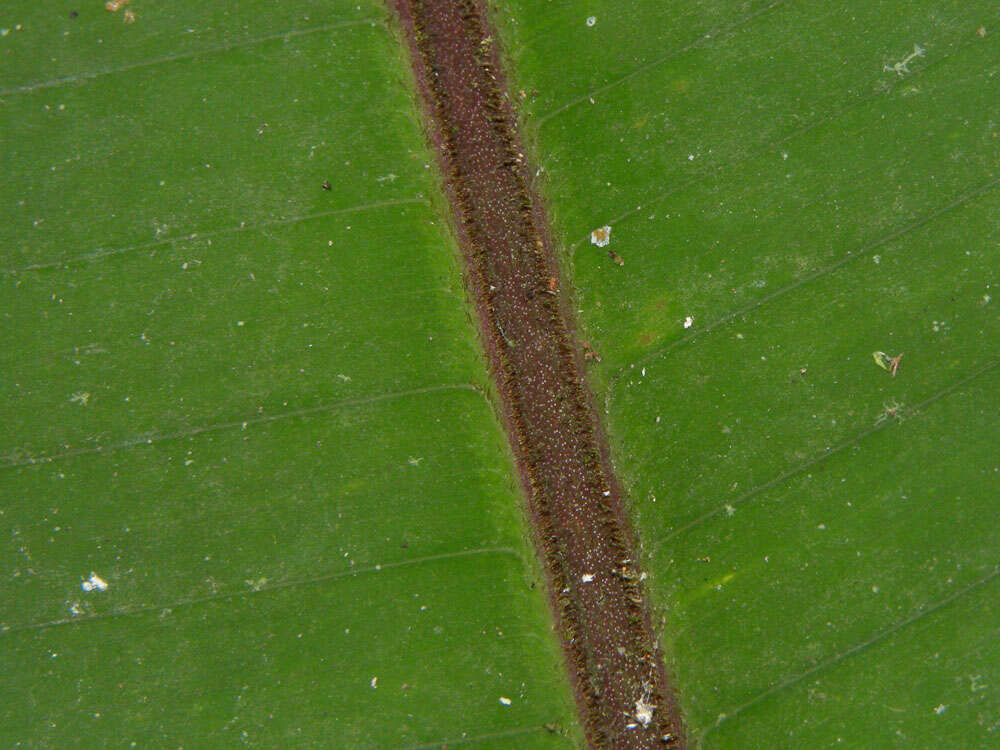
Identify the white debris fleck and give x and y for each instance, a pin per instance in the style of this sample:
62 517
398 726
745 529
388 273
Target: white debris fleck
591 20
940 709
504 700
902 67
256 585
601 236
81 398
644 711
94 583
374 682
587 577
730 510
688 321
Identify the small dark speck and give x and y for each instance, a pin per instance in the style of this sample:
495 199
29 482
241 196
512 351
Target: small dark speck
73 14
326 185
404 545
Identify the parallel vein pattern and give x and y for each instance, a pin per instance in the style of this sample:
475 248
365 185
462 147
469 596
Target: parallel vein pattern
792 187
251 489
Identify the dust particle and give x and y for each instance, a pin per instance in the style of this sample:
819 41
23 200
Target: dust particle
601 236
591 20
644 711
94 583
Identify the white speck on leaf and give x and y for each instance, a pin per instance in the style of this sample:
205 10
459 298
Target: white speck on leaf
81 398
901 68
591 20
587 577
601 236
688 321
504 700
374 682
940 709
94 583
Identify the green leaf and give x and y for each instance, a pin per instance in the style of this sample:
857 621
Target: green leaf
253 492
252 489
792 186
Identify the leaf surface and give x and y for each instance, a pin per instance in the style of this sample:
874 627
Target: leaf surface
793 186
252 489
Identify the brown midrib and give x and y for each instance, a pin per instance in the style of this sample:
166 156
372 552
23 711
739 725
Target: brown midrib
573 499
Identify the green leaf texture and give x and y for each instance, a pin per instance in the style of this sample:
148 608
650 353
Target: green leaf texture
793 186
246 412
